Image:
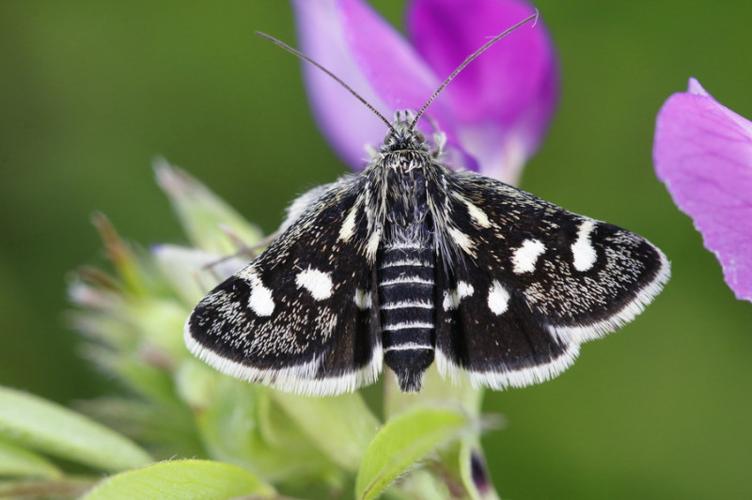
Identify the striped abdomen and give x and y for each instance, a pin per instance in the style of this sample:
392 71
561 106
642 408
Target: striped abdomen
406 296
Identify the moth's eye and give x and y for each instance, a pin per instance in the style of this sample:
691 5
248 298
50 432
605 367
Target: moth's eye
420 137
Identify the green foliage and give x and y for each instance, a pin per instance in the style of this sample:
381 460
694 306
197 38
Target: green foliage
341 427
40 425
182 480
404 441
210 223
18 462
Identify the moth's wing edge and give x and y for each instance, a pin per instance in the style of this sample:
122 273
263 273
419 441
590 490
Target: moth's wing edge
296 379
643 297
504 379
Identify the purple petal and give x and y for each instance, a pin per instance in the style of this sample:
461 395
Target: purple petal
395 70
505 99
703 153
346 123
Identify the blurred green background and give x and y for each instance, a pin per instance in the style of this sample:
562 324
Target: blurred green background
90 92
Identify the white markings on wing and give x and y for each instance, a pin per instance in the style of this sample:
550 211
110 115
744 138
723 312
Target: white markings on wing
526 256
347 230
462 240
628 312
452 298
317 282
362 299
373 244
476 213
498 298
260 301
583 251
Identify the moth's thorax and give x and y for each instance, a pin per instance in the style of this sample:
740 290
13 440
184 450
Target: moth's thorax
405 160
407 199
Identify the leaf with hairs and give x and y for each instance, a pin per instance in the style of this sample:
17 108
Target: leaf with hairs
182 480
403 441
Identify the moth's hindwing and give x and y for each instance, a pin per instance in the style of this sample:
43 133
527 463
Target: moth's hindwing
535 281
298 317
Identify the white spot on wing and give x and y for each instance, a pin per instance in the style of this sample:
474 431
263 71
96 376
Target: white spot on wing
475 212
317 282
362 299
452 298
478 215
373 244
526 256
582 249
464 289
260 300
462 240
348 226
498 298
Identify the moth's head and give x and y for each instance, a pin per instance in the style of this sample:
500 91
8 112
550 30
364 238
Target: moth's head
402 136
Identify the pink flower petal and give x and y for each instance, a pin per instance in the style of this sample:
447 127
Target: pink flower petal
347 124
505 99
703 153
395 70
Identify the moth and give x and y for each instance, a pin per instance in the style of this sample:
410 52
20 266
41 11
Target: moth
411 263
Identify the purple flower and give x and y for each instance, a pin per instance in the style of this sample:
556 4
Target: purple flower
494 114
703 153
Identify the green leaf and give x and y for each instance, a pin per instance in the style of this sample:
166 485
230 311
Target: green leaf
38 424
18 462
206 218
232 431
182 480
456 459
168 429
403 441
191 272
340 426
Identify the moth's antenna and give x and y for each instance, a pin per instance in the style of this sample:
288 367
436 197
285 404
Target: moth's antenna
296 52
472 57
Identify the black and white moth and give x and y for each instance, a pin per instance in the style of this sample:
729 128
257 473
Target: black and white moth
410 263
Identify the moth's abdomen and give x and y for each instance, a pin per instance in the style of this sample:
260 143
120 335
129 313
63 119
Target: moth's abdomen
406 303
